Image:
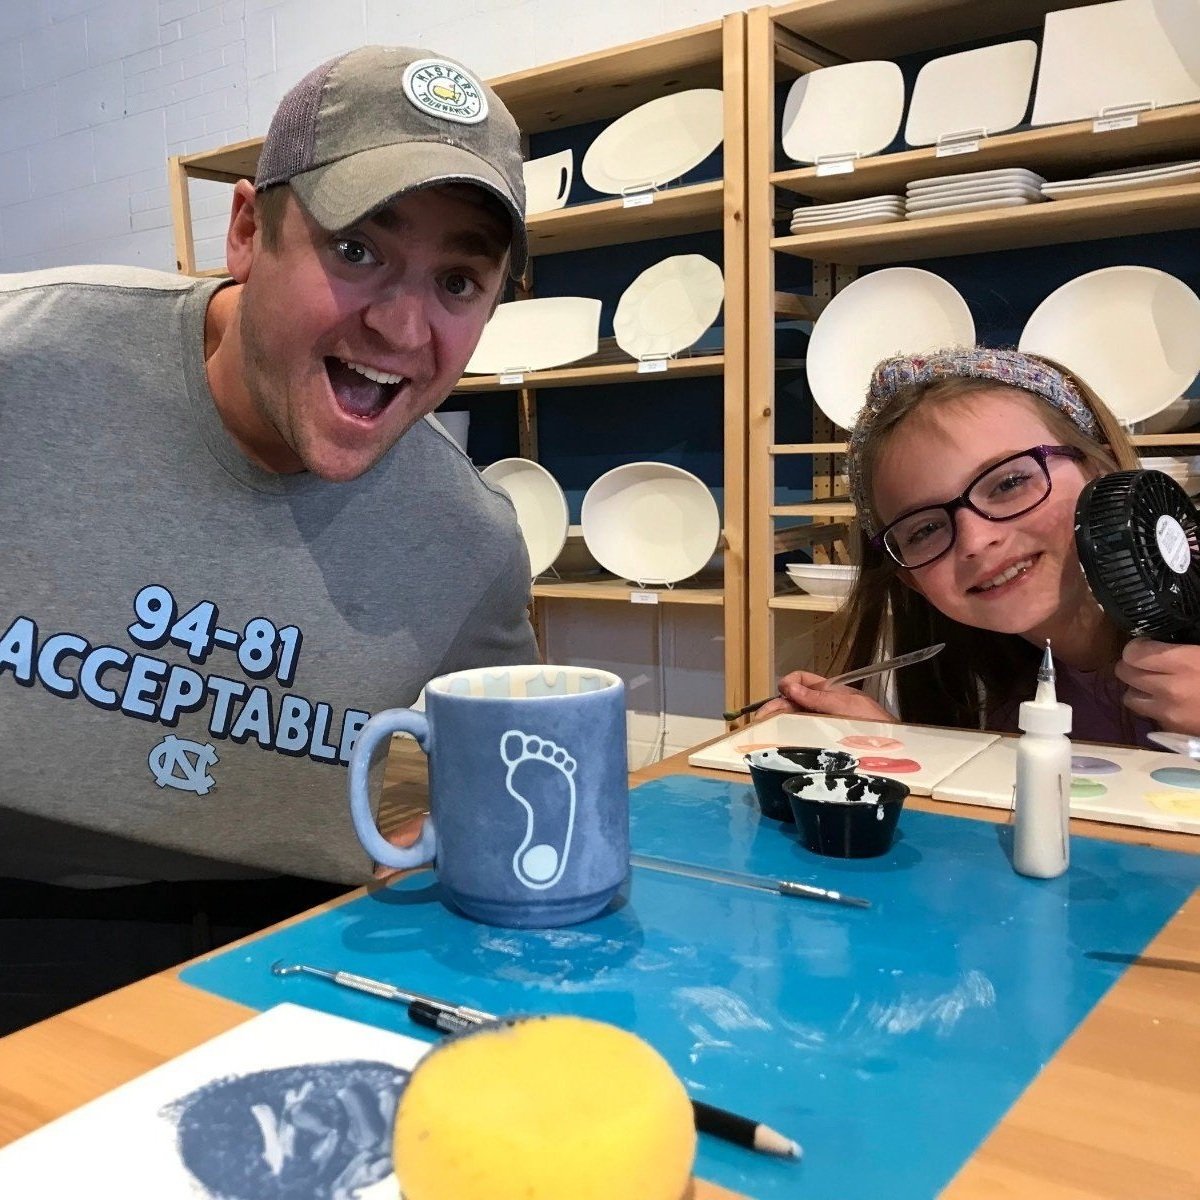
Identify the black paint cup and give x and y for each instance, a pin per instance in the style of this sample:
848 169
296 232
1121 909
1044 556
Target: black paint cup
770 766
847 815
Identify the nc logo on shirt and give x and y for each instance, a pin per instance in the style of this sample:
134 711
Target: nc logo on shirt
190 759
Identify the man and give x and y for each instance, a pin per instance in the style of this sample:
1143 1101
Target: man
230 534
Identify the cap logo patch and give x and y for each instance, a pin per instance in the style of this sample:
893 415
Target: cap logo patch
441 89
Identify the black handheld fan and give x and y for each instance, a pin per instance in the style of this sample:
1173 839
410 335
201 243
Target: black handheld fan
1138 538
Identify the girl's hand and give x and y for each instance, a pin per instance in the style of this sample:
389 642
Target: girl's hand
805 691
1162 683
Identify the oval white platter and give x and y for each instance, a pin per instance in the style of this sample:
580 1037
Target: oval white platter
974 178
965 206
541 507
883 216
986 88
548 181
650 522
534 335
852 108
899 310
970 195
1131 333
668 306
656 142
815 210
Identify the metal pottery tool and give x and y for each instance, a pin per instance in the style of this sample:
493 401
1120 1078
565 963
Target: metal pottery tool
758 883
888 664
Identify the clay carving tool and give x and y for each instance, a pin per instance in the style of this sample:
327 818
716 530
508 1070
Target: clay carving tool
888 664
758 883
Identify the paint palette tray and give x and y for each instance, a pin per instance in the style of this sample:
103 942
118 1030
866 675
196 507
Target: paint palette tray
918 757
1118 784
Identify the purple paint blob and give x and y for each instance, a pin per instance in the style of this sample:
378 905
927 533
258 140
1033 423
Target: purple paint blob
1084 764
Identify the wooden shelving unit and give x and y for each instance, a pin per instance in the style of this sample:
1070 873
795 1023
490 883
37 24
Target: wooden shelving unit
795 38
576 91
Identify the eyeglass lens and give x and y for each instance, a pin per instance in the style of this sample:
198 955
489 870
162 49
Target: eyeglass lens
1008 490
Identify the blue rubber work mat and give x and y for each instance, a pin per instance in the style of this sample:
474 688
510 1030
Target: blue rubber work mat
887 1041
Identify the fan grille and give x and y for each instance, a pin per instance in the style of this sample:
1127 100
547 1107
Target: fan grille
1119 531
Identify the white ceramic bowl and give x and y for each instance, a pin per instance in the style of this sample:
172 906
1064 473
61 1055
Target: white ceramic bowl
823 579
540 504
650 522
899 310
1131 333
548 181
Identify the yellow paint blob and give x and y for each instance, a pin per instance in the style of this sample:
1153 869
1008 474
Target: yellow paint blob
1178 804
545 1108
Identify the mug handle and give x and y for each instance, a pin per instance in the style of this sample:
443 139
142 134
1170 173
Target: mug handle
378 729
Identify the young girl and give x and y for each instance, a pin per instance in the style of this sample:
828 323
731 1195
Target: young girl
965 466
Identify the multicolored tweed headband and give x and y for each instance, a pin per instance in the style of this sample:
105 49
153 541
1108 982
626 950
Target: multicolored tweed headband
1008 367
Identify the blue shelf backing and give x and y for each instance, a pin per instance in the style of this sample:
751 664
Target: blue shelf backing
843 1028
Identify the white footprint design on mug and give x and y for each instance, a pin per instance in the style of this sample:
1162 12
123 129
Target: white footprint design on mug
539 865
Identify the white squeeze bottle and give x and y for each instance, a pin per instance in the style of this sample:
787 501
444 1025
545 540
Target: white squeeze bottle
1043 792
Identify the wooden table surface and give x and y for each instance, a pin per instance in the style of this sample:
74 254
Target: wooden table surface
1116 1113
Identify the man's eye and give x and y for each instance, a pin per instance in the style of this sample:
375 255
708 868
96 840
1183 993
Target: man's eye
354 252
460 285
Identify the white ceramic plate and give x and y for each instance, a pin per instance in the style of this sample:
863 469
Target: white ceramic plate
668 306
972 187
532 335
548 181
656 142
1091 187
822 579
1123 52
970 195
972 178
1131 333
984 89
813 210
943 210
803 215
899 310
853 107
883 217
650 522
540 504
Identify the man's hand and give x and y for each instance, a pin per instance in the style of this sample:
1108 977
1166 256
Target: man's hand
805 691
404 834
1163 683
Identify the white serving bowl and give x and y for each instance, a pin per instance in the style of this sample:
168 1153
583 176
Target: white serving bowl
541 507
651 522
823 579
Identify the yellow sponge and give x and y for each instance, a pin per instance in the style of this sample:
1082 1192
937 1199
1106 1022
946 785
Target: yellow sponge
544 1108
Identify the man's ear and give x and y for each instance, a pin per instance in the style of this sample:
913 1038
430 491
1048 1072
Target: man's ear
243 225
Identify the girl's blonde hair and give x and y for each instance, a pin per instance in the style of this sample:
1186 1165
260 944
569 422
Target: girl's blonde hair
979 670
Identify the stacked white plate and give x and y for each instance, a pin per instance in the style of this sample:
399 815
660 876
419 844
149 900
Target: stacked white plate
1184 470
541 507
975 191
872 210
1114 181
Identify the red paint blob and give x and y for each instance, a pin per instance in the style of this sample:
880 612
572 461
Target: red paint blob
893 766
865 741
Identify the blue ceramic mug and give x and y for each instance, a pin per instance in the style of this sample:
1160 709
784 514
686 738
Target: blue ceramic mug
528 791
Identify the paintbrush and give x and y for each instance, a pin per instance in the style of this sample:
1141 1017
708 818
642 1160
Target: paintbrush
888 664
759 883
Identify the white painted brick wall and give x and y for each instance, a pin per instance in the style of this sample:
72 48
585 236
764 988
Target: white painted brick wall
94 94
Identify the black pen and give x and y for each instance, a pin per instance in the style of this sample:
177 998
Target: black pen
729 1127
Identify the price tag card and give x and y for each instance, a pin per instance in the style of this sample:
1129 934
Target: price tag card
1120 121
643 597
639 199
947 148
651 366
512 377
837 166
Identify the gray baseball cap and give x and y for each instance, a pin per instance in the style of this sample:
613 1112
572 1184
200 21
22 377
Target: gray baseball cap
382 120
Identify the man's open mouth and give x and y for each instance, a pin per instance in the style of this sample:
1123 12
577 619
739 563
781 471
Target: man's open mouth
362 391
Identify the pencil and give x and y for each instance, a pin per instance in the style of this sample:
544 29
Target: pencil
739 1131
742 1131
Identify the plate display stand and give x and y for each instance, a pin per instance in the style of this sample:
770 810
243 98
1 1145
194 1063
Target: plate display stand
788 629
600 88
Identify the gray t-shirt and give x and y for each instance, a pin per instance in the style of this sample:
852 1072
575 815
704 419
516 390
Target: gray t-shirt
189 644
